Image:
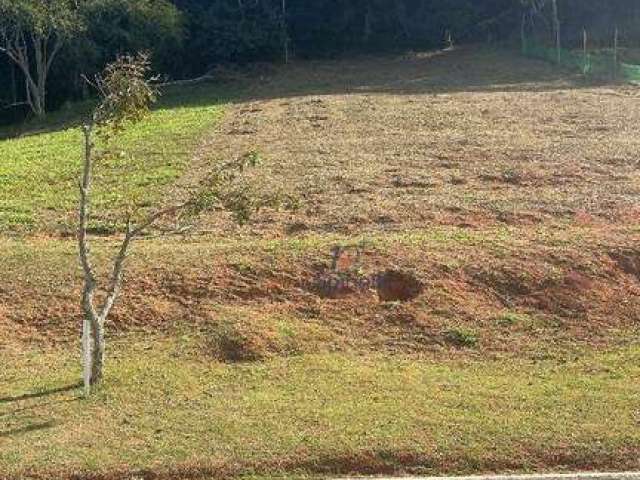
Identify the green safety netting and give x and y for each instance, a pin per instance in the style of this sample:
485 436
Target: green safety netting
602 63
630 72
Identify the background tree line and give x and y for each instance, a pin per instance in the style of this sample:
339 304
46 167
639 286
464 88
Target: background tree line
189 37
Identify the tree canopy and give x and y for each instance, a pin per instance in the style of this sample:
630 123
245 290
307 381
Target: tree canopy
187 38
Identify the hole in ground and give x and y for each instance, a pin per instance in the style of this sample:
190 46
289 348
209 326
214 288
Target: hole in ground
398 286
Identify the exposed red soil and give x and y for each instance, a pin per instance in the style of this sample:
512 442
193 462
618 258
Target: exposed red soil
565 297
374 146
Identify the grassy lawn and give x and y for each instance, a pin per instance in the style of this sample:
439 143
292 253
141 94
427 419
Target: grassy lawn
166 408
515 235
39 172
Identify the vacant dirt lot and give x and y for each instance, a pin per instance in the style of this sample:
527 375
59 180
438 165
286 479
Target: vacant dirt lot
470 138
458 290
508 191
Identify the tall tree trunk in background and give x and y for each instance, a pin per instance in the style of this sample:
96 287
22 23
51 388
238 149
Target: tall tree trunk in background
44 52
285 31
14 84
366 32
403 19
523 32
556 30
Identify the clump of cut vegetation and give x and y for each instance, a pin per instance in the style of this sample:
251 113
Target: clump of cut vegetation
461 337
509 319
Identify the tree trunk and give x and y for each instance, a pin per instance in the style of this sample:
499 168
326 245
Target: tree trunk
403 19
14 85
99 345
41 76
285 32
523 33
90 315
367 29
35 66
556 29
87 365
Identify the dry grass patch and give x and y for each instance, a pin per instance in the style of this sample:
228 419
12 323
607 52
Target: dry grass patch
470 137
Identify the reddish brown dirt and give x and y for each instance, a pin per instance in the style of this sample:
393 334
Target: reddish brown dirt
562 297
484 142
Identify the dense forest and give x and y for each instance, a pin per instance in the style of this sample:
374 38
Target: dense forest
59 41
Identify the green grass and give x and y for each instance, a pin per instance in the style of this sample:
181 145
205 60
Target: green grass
39 172
163 407
454 382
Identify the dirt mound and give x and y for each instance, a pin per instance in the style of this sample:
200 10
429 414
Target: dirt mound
628 260
263 303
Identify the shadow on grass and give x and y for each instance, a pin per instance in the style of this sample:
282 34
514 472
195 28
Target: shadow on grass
467 69
26 419
31 427
40 393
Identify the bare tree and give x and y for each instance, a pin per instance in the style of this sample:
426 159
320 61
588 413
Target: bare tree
32 33
126 95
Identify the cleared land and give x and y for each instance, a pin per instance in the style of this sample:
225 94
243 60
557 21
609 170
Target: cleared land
504 191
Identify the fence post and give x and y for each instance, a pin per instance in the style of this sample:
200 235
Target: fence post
285 31
615 52
585 59
556 28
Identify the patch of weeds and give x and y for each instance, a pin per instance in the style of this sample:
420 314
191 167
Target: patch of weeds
288 335
512 176
16 218
102 228
253 157
244 268
550 321
539 322
461 337
509 319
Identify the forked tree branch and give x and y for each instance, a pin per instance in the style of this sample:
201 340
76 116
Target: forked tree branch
118 266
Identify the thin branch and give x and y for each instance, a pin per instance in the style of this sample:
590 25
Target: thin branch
116 276
118 267
7 106
149 221
57 46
